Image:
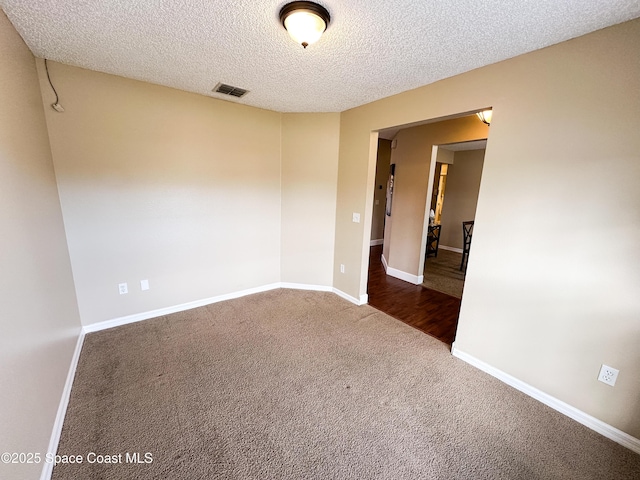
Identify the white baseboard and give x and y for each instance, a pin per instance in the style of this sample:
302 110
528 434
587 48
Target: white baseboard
354 300
47 468
137 317
451 249
407 277
364 299
377 242
306 286
579 416
394 272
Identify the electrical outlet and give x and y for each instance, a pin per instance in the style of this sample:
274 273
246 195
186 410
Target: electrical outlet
608 375
122 288
342 268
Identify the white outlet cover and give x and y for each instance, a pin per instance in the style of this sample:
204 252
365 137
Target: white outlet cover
144 284
608 375
356 217
122 288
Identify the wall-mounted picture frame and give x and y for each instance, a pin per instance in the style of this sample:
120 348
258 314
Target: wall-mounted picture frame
392 174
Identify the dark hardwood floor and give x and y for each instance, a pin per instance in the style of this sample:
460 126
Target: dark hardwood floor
429 311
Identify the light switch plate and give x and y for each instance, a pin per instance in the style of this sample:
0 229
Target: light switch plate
356 217
144 284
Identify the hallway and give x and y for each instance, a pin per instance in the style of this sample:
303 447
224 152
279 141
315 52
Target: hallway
431 312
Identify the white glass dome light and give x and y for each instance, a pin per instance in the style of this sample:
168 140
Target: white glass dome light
305 21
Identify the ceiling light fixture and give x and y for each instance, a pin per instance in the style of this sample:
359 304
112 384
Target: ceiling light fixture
305 21
485 116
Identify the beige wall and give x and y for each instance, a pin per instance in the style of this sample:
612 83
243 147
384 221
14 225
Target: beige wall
162 185
192 194
309 175
563 158
39 320
412 156
461 195
380 194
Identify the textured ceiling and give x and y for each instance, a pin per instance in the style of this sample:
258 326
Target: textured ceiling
372 48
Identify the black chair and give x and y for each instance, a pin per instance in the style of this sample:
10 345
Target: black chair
433 240
467 233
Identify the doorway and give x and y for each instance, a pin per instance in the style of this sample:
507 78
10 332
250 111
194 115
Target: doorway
454 199
397 267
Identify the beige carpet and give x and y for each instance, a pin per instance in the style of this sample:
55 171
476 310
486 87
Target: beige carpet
442 273
304 385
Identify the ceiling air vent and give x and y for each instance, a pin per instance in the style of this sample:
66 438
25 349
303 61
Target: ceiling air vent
230 90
